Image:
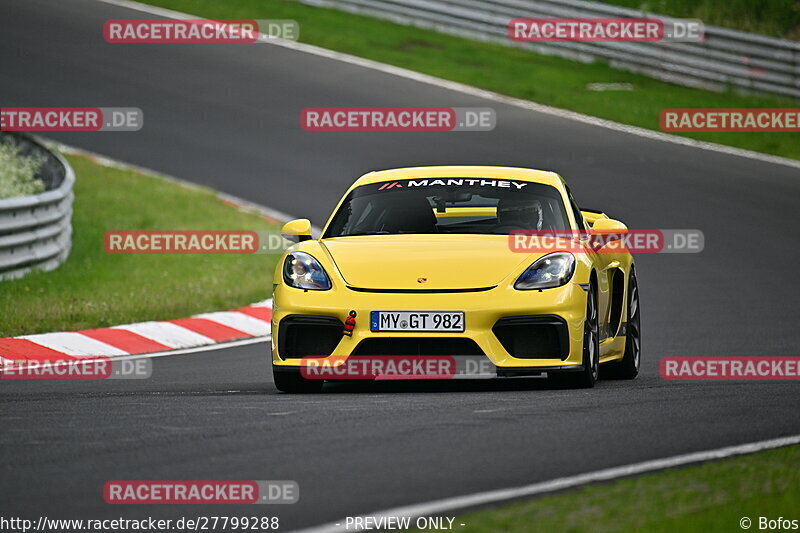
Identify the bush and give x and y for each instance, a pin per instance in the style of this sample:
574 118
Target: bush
18 172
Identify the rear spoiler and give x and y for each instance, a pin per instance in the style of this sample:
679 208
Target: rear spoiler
592 215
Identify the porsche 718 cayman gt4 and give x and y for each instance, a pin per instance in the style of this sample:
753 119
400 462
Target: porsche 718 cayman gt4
419 261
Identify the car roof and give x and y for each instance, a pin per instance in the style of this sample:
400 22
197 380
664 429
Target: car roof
462 171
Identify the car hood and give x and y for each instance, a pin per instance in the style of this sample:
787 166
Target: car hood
424 262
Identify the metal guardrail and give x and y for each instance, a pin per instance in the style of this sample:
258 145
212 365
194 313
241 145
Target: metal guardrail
724 58
36 230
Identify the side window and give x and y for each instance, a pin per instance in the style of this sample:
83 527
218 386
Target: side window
576 211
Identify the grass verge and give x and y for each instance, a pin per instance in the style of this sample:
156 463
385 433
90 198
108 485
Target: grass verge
544 79
709 498
96 289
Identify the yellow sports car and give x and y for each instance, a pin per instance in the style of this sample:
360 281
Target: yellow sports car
422 261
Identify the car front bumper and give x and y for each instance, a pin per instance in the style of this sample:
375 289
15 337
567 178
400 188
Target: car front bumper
483 312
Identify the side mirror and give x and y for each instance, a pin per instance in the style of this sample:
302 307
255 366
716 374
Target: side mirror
297 230
609 225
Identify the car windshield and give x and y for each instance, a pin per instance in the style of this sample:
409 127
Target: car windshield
449 205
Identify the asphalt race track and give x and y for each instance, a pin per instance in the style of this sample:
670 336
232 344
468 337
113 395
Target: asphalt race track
228 116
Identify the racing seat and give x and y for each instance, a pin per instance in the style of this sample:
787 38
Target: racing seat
518 213
412 214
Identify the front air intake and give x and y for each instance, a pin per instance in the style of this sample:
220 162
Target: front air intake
533 337
302 335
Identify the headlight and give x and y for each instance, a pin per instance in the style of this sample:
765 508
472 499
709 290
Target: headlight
552 270
302 271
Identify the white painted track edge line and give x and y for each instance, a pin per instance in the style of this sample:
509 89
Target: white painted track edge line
149 172
482 93
115 163
467 501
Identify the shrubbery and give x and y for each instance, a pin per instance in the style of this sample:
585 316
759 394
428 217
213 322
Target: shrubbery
18 172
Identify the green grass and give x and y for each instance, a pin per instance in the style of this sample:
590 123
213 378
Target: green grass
709 498
779 18
507 70
96 289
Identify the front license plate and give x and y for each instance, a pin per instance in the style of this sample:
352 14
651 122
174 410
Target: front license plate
417 321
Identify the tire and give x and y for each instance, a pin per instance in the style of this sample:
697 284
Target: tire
628 367
587 376
292 382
